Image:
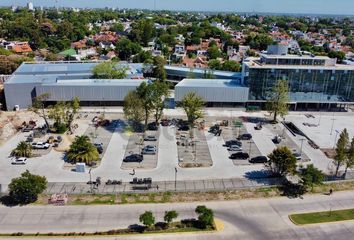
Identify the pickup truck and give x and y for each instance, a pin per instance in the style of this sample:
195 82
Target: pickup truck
40 145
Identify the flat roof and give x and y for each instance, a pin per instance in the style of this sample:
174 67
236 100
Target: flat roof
97 82
211 83
293 56
202 71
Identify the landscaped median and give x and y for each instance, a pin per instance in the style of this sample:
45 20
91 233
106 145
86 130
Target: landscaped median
322 217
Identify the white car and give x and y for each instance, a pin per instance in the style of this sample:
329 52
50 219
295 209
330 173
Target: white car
19 161
234 148
40 145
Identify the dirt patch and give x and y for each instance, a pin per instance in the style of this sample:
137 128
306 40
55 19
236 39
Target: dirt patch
329 152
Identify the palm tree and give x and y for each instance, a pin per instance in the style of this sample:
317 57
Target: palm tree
82 150
23 149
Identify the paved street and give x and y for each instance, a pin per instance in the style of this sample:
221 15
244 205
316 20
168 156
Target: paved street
245 219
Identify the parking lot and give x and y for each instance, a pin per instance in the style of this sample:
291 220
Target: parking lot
136 145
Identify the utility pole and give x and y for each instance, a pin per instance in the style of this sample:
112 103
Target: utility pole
176 179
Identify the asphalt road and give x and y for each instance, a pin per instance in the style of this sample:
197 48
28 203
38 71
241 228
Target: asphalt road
246 219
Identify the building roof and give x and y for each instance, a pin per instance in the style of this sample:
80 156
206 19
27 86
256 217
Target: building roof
68 52
209 83
225 74
293 56
21 48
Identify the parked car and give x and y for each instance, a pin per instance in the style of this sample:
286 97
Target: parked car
99 147
183 128
277 139
297 156
245 136
134 158
40 145
19 161
239 155
149 151
233 142
165 122
234 148
258 126
150 138
150 147
152 126
259 159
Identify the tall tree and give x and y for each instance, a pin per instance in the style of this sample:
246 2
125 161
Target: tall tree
279 98
144 91
205 216
38 107
160 91
159 71
341 150
349 163
193 105
133 107
25 189
22 149
109 70
312 176
281 161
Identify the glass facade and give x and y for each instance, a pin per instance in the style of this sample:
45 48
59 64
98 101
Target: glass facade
305 85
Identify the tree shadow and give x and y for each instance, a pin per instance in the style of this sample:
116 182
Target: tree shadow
293 190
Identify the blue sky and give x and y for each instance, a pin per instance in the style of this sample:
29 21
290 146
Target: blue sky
345 7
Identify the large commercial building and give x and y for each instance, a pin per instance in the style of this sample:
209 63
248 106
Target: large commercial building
65 80
215 92
314 81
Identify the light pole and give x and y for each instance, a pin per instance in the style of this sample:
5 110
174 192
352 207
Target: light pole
90 180
332 124
249 153
176 179
335 139
302 142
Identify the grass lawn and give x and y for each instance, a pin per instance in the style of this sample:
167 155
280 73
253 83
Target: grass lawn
322 217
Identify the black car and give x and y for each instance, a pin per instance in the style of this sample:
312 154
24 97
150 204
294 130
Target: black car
239 155
245 136
134 158
183 128
233 142
259 159
152 127
99 147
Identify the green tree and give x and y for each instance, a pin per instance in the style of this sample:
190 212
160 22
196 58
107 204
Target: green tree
205 216
337 54
109 70
82 150
278 100
341 150
214 64
214 52
22 149
169 216
231 66
159 71
147 218
281 161
144 92
160 91
312 176
25 189
133 107
193 105
117 27
38 107
127 48
349 162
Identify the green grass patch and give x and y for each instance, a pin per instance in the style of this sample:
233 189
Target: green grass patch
322 217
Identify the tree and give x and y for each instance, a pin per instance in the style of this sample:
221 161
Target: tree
214 52
147 218
109 70
231 66
279 98
349 162
117 27
133 107
169 216
38 107
25 189
282 161
214 64
63 113
82 150
341 150
159 71
144 92
23 149
160 91
205 216
193 105
337 54
127 48
312 176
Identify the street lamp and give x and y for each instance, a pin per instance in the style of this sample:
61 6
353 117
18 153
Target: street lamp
90 180
335 139
249 154
302 142
176 179
332 124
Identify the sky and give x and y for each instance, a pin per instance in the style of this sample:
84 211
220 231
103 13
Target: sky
338 7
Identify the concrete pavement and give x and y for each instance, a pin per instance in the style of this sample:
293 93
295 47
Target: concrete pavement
245 219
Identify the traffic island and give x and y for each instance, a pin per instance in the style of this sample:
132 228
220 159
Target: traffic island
322 217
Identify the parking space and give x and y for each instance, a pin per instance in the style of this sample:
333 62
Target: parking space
136 145
193 151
